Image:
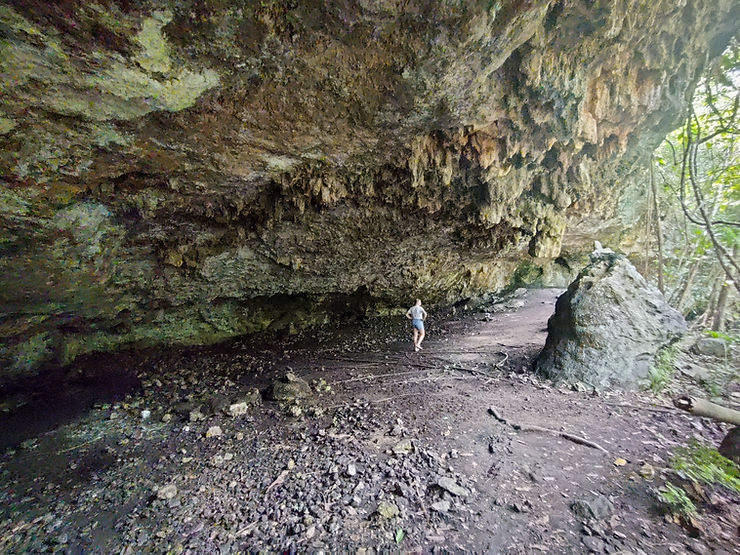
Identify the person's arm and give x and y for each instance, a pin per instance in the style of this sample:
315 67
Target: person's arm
424 317
408 314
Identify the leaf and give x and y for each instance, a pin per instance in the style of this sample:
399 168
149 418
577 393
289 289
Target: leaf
400 534
619 461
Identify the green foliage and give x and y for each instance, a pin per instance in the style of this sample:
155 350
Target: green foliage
676 500
664 366
697 171
400 535
728 337
704 464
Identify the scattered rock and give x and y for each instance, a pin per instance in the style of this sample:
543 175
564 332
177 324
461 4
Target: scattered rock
320 385
351 470
238 409
647 471
594 544
29 443
698 547
403 447
146 414
218 404
167 492
710 346
241 406
196 415
608 326
698 373
289 389
598 507
214 431
387 510
523 507
451 485
441 506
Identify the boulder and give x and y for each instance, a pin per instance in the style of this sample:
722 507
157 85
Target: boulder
242 405
730 446
290 389
597 507
608 326
710 346
167 492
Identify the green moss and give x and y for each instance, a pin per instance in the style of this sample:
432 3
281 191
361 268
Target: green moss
663 369
676 500
31 353
728 337
526 274
704 464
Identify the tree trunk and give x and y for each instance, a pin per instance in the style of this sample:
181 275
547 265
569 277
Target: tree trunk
648 225
686 289
706 317
702 407
718 322
658 230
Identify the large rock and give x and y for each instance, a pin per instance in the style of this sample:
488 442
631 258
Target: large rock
730 446
711 346
290 389
608 326
183 172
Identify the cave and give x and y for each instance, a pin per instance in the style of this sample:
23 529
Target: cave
215 210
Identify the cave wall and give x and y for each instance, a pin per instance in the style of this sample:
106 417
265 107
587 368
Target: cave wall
183 172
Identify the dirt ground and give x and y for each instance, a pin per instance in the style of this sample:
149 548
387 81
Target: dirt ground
392 450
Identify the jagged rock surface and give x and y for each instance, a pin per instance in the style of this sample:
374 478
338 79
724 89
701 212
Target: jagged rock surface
182 172
608 327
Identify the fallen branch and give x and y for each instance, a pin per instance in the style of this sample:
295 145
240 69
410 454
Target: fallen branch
81 445
639 407
702 407
526 428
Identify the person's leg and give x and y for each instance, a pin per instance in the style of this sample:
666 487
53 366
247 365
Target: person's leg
416 339
422 333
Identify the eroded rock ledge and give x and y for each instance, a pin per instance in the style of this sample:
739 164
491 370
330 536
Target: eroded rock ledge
188 171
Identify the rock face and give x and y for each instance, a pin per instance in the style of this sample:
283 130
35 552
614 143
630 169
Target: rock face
608 326
182 172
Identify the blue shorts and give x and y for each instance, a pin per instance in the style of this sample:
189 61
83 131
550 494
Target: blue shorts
418 323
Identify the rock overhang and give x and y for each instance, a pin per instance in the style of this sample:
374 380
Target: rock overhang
186 172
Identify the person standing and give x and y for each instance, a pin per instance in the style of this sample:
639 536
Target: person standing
417 315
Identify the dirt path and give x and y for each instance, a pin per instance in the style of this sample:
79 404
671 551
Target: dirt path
401 453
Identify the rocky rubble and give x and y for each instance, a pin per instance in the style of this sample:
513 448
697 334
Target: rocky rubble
366 475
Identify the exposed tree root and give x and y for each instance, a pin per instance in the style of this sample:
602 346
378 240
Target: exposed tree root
528 428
